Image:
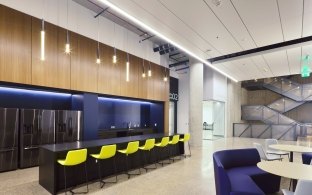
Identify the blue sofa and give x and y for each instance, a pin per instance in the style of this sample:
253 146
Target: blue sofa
236 173
306 158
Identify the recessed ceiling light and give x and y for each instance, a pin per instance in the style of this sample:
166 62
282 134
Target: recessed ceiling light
216 2
160 35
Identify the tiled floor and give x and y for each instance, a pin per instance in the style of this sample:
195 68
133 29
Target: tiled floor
188 176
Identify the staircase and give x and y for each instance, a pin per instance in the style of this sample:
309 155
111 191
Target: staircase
294 95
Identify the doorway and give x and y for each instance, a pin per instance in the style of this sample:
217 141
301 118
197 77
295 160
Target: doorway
213 120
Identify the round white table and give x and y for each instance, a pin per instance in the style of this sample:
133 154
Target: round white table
287 169
290 170
291 149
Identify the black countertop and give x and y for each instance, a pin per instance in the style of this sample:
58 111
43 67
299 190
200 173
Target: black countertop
98 143
125 129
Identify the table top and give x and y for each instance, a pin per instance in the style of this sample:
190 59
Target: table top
290 148
62 147
287 169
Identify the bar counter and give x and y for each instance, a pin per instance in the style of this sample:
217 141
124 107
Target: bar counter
51 174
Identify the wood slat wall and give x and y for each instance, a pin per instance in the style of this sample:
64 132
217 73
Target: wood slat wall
20 61
15 46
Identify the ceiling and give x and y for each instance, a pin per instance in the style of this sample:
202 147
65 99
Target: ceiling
209 30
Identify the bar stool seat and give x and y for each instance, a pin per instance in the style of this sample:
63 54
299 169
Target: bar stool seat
107 152
132 148
73 158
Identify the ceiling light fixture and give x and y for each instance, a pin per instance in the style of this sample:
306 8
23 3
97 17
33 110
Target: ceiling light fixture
114 56
67 45
149 72
155 32
98 59
42 36
165 77
143 67
127 68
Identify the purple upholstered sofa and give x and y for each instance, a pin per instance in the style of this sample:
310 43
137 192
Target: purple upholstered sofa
236 173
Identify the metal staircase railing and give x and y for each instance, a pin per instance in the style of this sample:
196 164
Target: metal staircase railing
276 124
290 89
284 104
265 131
266 115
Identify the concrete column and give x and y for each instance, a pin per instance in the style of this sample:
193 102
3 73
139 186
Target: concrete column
196 102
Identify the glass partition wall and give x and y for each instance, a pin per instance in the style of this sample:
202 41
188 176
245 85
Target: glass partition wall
213 120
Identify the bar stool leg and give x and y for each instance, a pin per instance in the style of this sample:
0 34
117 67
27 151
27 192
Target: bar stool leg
100 174
150 157
87 180
65 180
115 169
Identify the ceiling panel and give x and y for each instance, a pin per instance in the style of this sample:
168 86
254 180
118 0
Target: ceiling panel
307 20
263 66
278 63
262 20
235 25
162 14
291 17
230 19
294 58
204 22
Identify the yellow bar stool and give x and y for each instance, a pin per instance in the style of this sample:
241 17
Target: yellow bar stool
164 142
148 146
108 151
186 138
75 157
132 148
175 139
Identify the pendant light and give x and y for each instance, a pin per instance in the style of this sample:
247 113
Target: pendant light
149 72
143 69
42 38
165 77
98 59
67 45
127 68
42 34
114 56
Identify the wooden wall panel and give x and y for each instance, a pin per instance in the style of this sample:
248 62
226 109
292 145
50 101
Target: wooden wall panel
84 70
104 70
130 88
63 59
15 46
150 82
109 73
44 73
159 84
20 62
143 82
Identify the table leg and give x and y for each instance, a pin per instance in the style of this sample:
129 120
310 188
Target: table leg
294 184
294 181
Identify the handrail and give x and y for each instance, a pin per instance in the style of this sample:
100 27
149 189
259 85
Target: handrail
267 127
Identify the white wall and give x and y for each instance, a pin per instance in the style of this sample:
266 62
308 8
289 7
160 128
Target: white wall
82 21
215 85
183 103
